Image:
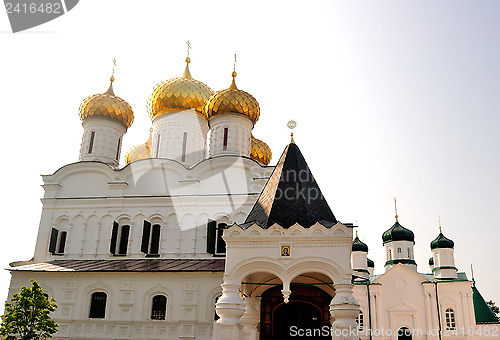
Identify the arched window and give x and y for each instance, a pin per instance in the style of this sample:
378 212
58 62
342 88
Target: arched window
98 305
450 319
159 307
409 253
360 321
390 254
399 252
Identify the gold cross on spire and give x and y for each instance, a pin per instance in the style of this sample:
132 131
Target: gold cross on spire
439 221
189 47
396 209
234 67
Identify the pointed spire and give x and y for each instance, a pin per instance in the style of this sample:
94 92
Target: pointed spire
396 209
111 79
234 74
291 195
186 73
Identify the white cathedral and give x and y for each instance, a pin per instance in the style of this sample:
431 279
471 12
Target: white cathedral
197 237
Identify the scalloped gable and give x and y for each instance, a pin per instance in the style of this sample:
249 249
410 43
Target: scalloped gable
291 196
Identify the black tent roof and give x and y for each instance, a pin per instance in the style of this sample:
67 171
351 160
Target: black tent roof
291 196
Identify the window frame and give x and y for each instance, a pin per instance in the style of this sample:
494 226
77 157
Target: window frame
164 311
450 319
92 301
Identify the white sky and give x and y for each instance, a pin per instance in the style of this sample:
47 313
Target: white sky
391 98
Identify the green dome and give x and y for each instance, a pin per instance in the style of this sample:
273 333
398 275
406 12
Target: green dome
357 245
398 233
370 263
442 242
431 261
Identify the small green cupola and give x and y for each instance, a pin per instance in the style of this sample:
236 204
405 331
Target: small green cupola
442 241
370 263
398 233
431 262
358 245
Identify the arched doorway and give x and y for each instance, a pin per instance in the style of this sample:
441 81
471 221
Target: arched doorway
306 316
404 333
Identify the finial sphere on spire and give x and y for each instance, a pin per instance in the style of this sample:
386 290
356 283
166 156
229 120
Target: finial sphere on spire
291 124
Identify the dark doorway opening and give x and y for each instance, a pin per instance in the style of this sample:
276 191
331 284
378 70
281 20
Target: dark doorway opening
404 333
306 316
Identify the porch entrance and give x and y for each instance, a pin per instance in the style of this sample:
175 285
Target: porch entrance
306 316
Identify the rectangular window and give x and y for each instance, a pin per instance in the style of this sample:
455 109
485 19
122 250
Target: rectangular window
211 233
119 239
158 145
91 144
150 239
184 142
118 149
224 143
62 242
220 244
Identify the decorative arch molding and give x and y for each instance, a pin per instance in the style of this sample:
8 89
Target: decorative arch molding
123 218
317 265
256 265
98 286
86 167
210 302
148 301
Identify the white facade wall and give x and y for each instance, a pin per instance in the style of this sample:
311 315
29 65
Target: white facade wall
190 303
84 199
108 137
171 129
359 264
239 131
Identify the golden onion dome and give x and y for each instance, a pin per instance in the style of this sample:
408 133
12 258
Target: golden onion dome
260 151
139 152
179 94
107 105
233 100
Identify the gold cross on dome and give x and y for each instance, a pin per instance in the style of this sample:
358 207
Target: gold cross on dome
234 67
114 65
189 47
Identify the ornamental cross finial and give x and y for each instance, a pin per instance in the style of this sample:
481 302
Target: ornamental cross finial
114 65
439 221
291 125
234 67
189 47
396 209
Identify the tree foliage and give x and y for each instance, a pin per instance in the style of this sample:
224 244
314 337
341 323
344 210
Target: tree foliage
495 309
27 315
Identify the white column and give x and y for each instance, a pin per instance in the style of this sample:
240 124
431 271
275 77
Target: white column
230 308
344 309
250 319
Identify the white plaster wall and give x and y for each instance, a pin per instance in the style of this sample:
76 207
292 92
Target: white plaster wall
190 303
85 198
108 137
